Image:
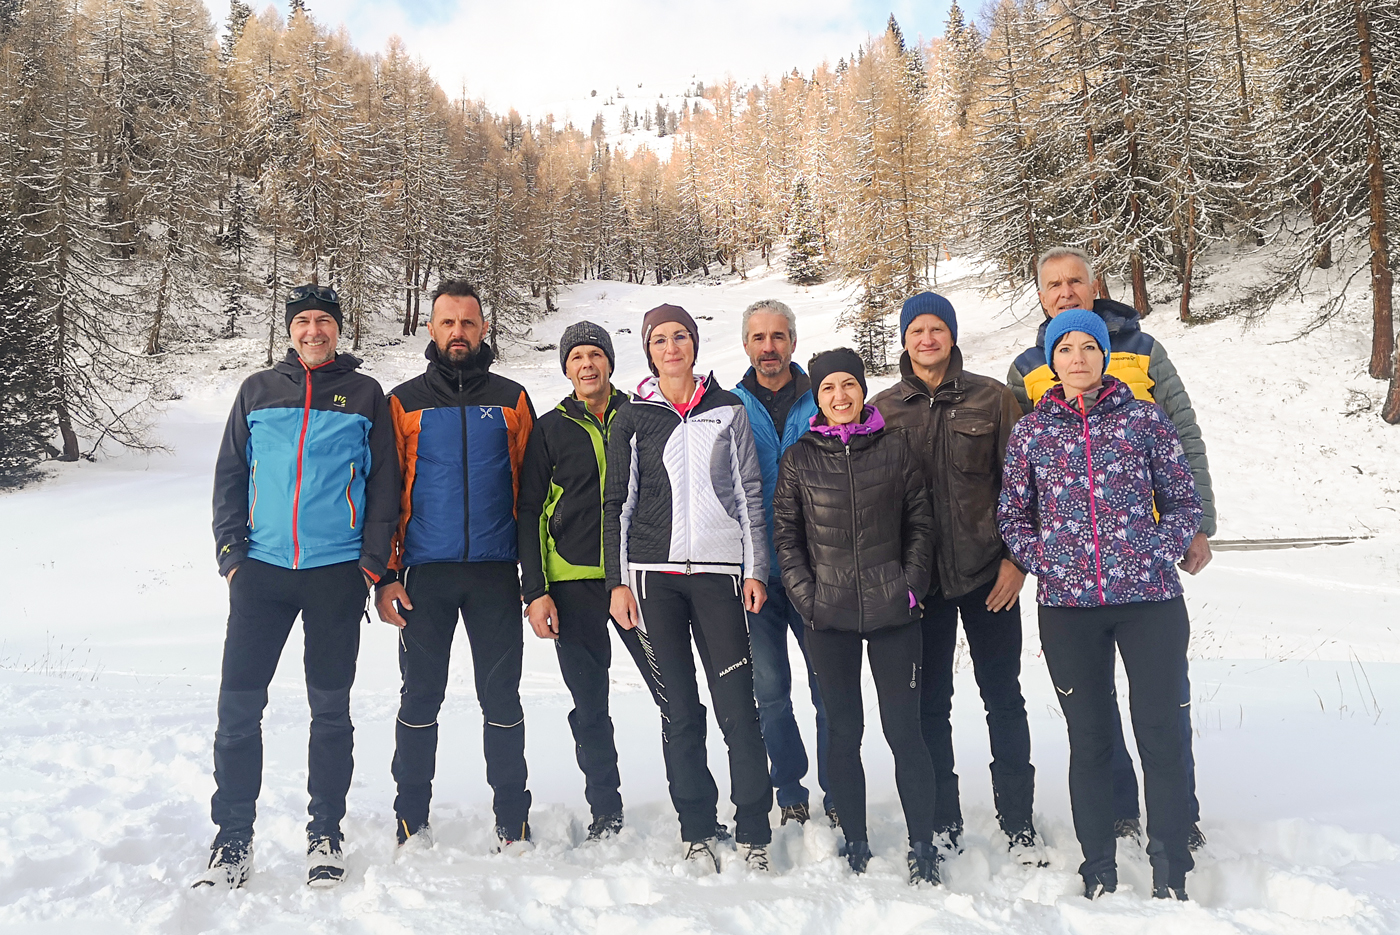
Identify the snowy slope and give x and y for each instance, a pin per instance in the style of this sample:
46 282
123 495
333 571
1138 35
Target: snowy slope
110 653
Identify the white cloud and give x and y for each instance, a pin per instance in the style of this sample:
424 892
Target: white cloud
540 55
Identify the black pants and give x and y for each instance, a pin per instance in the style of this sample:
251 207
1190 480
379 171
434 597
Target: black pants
994 642
1152 638
264 601
894 655
585 655
487 597
673 608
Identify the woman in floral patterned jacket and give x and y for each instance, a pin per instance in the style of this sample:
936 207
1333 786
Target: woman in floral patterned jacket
1083 472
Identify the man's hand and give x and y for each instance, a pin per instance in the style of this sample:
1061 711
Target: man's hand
1197 555
755 595
1007 587
544 618
624 607
384 603
231 572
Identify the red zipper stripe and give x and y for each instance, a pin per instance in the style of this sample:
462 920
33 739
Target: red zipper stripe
1093 511
301 452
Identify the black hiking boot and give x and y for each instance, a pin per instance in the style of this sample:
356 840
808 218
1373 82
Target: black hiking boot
1096 884
857 854
605 826
1128 828
923 863
798 813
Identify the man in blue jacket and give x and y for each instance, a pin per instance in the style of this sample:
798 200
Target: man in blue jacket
305 500
778 397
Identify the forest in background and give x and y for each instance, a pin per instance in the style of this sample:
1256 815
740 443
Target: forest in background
163 185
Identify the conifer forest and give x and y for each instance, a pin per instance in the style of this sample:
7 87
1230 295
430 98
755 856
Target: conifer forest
165 182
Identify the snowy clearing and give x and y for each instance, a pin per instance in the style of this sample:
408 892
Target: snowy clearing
109 668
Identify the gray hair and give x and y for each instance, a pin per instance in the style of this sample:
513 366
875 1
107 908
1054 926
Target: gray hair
1059 253
771 305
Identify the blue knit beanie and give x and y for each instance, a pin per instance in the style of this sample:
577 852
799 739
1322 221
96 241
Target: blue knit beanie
1076 319
927 303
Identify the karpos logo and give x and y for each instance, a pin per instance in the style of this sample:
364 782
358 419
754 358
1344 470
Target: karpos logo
339 401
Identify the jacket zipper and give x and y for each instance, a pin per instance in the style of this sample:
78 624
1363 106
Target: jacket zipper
348 500
466 491
253 480
1093 511
301 451
855 544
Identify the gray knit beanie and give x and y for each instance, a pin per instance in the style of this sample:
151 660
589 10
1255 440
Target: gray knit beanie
585 332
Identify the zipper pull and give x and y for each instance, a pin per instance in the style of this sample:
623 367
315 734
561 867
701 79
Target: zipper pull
687 567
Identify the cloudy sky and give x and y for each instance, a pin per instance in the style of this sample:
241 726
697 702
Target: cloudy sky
538 55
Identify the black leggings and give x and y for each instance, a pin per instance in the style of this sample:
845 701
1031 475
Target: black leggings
894 663
1152 638
707 606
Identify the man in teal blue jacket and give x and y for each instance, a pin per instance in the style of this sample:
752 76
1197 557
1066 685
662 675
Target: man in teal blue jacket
778 397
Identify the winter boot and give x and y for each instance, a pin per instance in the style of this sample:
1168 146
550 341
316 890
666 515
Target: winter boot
857 854
1128 828
949 839
923 863
1168 881
513 841
325 864
605 826
230 864
1025 849
755 856
832 817
797 813
1104 881
412 840
704 853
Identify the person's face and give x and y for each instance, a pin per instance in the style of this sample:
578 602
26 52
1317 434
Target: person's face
840 398
672 350
928 341
457 327
587 369
1065 284
314 333
1079 363
769 343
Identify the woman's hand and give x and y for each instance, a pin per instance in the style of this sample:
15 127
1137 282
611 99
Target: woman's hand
624 607
755 595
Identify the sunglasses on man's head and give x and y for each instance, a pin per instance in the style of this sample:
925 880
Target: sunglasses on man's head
324 293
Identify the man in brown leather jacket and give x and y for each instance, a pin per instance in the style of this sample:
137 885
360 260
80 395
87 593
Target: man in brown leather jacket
959 423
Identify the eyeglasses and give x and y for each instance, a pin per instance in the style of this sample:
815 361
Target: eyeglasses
680 339
302 293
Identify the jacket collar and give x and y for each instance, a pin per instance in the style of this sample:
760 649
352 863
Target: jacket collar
950 390
1120 319
574 407
869 423
649 391
1115 395
471 374
801 383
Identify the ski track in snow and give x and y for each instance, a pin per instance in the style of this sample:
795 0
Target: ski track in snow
109 667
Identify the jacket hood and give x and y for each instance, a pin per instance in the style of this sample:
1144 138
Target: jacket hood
1120 319
340 363
869 423
1114 395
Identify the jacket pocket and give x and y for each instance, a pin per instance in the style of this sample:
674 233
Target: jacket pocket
972 441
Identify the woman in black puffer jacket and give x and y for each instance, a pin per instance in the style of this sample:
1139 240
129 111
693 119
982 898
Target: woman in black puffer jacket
853 529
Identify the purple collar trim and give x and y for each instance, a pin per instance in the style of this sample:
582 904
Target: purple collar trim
870 422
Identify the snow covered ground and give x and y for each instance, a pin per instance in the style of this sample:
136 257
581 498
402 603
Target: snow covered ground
110 653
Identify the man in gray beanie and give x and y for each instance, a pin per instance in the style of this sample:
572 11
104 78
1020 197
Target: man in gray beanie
560 529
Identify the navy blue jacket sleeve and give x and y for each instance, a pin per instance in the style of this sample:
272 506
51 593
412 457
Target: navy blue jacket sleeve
383 491
231 489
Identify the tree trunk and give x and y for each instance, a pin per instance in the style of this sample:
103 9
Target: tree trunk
1383 325
158 319
1322 259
